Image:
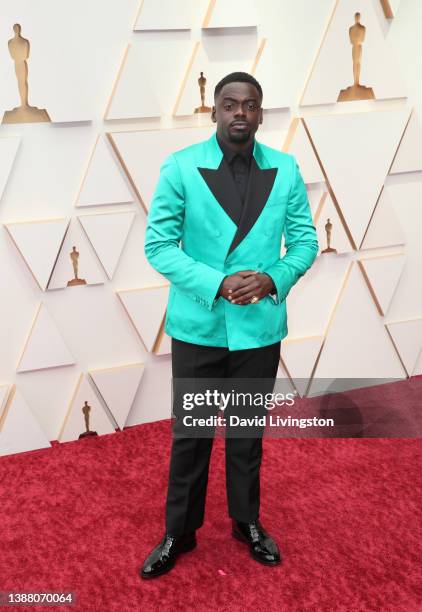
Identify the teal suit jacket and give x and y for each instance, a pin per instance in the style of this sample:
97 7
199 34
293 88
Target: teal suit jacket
198 232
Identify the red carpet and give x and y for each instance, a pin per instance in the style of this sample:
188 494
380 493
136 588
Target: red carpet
346 513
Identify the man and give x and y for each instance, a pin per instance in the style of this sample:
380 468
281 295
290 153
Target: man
228 200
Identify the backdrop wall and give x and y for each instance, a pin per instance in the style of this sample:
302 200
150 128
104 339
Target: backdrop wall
118 82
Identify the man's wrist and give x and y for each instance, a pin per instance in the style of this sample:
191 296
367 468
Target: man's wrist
273 289
220 287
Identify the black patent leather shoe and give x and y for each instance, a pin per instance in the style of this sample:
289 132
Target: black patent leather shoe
163 557
262 547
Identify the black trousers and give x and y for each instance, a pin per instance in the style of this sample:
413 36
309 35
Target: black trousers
190 456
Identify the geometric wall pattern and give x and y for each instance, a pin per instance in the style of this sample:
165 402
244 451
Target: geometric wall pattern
298 356
76 259
346 144
379 69
383 275
238 13
355 325
20 431
38 242
407 336
45 347
118 387
146 308
107 233
158 81
143 172
75 422
104 182
384 229
170 14
8 151
409 154
212 57
360 159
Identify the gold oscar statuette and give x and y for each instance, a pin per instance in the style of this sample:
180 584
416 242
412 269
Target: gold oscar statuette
328 228
202 82
356 91
74 256
19 51
86 409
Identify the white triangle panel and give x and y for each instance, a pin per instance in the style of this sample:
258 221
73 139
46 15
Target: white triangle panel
409 154
407 336
159 144
384 228
19 429
417 371
8 149
39 243
333 68
339 239
104 182
283 382
118 387
163 344
357 334
45 347
299 356
316 197
128 101
146 88
170 14
236 13
406 198
107 234
384 275
146 308
89 268
321 288
298 144
213 58
356 151
74 423
153 400
277 91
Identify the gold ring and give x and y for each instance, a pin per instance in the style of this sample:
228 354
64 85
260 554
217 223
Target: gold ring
254 300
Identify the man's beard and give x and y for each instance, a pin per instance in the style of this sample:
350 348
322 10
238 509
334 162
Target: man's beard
239 136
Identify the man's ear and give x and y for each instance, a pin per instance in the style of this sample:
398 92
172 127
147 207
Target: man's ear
213 118
261 117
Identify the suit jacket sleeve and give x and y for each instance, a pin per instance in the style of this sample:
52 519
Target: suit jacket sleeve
163 234
301 241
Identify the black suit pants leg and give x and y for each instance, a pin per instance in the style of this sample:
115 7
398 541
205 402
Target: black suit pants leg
190 456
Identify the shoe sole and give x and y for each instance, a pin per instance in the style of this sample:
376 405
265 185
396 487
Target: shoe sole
187 548
240 538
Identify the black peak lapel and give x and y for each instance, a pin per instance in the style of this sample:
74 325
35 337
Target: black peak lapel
221 184
259 188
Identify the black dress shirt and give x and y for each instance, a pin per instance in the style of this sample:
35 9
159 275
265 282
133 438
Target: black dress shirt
239 163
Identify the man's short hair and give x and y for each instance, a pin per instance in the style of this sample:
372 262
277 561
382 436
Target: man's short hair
237 77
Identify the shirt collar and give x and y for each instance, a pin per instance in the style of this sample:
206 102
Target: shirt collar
230 153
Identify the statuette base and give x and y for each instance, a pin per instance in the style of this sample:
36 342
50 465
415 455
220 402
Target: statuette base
356 92
26 114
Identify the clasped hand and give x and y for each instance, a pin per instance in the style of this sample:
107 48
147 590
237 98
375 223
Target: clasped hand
241 287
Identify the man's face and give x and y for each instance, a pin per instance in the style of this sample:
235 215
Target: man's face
237 112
